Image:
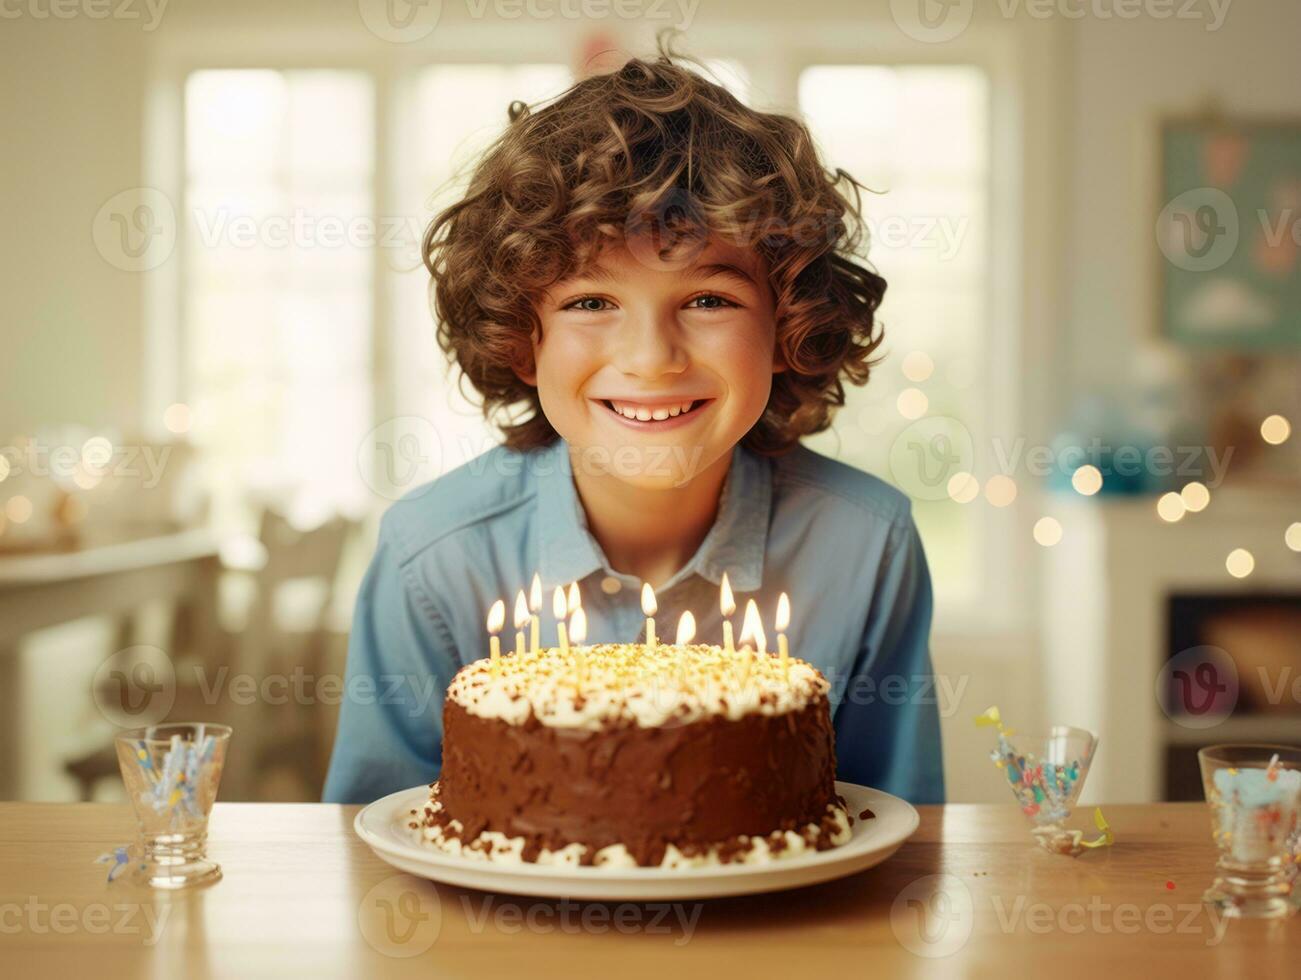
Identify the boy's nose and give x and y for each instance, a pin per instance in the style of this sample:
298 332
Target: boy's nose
649 345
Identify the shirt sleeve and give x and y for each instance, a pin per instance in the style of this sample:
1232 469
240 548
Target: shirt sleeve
401 657
887 722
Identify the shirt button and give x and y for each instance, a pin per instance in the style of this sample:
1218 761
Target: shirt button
610 585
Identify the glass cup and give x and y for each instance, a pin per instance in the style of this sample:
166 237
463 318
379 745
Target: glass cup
1255 820
171 774
1046 774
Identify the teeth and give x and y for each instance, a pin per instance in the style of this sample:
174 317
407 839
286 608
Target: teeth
643 414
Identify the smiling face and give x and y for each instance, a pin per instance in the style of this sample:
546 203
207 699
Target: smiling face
654 370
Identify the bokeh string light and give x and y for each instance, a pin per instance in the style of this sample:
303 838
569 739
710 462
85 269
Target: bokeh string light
1240 563
1275 430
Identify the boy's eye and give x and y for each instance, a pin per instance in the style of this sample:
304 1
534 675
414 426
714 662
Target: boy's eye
589 304
708 301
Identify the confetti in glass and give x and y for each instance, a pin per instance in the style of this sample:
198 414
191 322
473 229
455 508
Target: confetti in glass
171 774
1046 774
1254 792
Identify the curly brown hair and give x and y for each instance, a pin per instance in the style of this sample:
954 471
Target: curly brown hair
653 146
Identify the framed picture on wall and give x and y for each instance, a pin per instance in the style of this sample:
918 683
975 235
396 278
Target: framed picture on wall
1229 233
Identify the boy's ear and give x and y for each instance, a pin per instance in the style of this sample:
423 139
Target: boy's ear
779 363
525 363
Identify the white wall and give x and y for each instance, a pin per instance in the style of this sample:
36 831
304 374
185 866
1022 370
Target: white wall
70 324
1127 75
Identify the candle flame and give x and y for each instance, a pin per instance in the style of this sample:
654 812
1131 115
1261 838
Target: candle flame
535 593
574 600
783 612
521 610
686 628
726 601
558 608
497 616
578 626
648 605
752 627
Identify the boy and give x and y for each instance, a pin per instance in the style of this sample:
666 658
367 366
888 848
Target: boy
664 279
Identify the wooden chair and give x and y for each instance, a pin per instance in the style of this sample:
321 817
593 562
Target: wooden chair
292 575
286 631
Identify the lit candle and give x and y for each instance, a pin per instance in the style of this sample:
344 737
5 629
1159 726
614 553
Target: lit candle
752 634
521 617
649 607
686 633
496 620
728 605
783 621
535 603
578 632
686 628
559 611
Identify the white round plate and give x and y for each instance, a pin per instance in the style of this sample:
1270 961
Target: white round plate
383 826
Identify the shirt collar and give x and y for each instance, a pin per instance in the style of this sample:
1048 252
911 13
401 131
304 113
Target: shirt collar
735 543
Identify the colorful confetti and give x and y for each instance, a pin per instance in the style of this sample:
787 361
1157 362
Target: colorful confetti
120 856
174 789
1256 811
1046 791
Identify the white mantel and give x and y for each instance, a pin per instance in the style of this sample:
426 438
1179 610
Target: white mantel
1104 613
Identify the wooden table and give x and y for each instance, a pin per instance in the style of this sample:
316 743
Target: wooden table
100 579
303 897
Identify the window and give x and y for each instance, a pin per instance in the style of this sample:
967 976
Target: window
918 135
278 283
454 113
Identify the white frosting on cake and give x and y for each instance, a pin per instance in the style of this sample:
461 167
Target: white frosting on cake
497 848
623 682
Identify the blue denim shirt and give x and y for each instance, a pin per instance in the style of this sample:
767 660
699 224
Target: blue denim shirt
841 543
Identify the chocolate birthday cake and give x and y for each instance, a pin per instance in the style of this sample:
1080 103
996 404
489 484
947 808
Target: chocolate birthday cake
615 756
